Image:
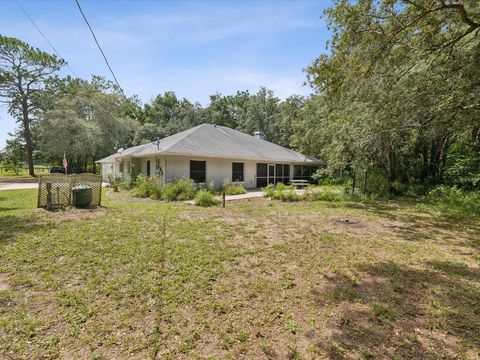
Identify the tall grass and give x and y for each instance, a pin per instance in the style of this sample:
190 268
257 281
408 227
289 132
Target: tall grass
455 201
287 193
233 188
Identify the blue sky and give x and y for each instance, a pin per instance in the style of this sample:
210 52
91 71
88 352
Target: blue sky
194 48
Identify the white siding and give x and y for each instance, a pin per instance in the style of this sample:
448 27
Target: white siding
176 167
110 171
143 165
250 173
217 170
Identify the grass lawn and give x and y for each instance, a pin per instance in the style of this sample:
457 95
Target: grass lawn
258 279
22 172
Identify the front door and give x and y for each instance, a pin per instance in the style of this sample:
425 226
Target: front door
271 173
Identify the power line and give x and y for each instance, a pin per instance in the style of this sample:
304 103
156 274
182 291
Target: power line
99 47
60 56
45 37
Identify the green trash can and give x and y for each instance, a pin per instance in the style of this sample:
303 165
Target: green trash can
82 196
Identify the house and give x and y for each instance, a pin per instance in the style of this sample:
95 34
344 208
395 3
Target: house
211 153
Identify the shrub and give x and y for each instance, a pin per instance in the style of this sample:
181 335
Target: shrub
205 198
183 189
268 191
147 187
324 196
455 201
126 183
287 195
281 192
210 187
233 188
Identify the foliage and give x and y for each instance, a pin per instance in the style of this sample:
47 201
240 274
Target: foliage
23 71
330 196
205 198
147 187
126 182
167 115
233 188
455 201
463 166
13 157
86 118
384 99
282 192
183 189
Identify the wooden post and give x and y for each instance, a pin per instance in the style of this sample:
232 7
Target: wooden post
49 196
223 199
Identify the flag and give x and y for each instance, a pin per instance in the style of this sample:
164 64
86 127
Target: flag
65 162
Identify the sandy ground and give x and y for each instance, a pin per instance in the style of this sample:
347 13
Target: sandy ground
17 186
24 185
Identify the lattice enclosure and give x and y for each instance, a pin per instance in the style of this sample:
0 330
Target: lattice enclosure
61 188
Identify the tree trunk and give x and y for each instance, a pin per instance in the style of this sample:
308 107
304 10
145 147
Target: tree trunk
28 138
392 165
354 181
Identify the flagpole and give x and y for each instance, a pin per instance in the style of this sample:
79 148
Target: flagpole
65 162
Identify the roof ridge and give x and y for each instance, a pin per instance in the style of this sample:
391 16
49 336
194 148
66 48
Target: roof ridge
271 143
187 132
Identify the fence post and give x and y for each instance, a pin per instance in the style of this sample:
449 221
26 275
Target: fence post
49 196
100 194
223 199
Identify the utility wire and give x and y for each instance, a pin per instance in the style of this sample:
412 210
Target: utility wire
99 47
45 37
61 57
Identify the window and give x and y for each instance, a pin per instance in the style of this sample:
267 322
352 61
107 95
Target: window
237 172
148 167
198 171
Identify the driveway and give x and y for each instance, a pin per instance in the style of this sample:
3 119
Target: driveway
17 183
14 184
17 186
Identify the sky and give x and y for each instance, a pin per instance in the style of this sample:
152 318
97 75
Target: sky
195 48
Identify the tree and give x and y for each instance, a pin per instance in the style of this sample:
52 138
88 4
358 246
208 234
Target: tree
167 115
399 88
23 71
88 120
13 155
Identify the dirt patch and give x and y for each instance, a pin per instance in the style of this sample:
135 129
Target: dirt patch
70 214
4 284
345 221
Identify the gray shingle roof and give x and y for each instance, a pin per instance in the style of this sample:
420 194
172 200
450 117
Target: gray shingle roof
217 141
109 159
